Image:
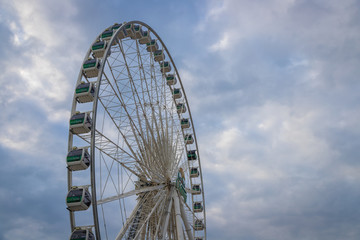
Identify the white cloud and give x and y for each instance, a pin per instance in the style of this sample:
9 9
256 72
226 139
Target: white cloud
222 44
39 71
285 137
28 228
256 166
34 21
216 214
20 137
18 36
42 69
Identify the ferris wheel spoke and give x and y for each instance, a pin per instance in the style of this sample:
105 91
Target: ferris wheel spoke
132 124
161 215
123 105
131 218
185 219
190 211
146 91
130 193
178 219
137 219
112 150
167 218
120 104
165 143
137 102
148 151
154 84
109 176
177 158
160 200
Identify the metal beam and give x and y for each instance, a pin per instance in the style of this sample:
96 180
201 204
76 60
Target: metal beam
129 220
167 219
127 194
179 228
186 223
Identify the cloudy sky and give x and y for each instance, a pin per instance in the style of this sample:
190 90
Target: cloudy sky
274 91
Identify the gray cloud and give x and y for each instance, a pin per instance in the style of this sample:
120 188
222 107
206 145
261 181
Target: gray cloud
282 100
273 90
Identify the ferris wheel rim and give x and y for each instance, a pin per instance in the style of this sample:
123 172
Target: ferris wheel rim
94 116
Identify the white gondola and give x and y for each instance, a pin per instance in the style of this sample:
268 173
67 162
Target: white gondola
78 199
85 92
165 67
180 107
191 155
129 28
171 79
107 35
194 172
152 46
176 93
196 190
99 48
91 67
185 123
198 207
198 225
82 234
116 26
138 32
78 159
80 123
188 139
145 38
122 33
159 55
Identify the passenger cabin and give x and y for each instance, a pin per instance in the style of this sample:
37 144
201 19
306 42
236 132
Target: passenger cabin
80 123
185 123
198 225
145 38
138 32
191 155
129 28
194 172
189 139
152 46
171 79
198 207
78 159
78 199
122 33
159 55
176 93
91 67
85 92
107 35
196 190
116 26
82 234
98 49
165 67
180 107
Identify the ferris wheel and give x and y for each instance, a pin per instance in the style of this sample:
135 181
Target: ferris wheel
133 162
